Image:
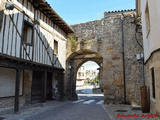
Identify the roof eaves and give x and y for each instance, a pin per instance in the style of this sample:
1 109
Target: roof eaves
50 12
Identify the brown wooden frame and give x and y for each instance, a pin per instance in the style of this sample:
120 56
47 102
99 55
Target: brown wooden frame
1 19
26 23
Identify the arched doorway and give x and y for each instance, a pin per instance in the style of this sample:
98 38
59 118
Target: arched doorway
88 81
74 62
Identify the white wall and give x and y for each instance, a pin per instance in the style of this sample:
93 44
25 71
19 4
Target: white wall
151 42
2 4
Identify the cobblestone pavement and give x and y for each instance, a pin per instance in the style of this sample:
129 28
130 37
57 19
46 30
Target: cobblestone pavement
87 107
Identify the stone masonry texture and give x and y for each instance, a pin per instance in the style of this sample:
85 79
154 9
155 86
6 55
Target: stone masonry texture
104 38
153 62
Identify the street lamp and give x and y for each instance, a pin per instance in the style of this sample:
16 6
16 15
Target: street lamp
69 66
101 65
140 56
9 6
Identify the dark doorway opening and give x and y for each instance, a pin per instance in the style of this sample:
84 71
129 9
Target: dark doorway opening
37 88
49 86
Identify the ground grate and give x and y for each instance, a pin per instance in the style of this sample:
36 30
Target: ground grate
136 108
121 111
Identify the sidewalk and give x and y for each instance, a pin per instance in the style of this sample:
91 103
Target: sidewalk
31 110
127 112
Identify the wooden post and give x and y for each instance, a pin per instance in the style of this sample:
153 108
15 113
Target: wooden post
16 105
1 19
62 86
44 87
144 100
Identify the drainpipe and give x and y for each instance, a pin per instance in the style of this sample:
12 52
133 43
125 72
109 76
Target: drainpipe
143 72
123 57
145 96
142 57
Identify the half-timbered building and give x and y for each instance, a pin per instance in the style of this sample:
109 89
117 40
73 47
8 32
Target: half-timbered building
32 52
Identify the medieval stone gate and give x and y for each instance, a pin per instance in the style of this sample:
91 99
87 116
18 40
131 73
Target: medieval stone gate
113 44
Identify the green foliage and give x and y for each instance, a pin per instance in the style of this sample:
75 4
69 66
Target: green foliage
73 42
88 80
92 81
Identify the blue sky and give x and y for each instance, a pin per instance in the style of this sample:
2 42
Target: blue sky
90 65
80 11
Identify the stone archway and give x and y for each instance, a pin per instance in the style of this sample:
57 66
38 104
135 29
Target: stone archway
74 62
114 41
102 51
91 67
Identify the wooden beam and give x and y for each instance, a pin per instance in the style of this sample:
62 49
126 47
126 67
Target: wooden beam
1 18
17 87
61 85
44 96
3 32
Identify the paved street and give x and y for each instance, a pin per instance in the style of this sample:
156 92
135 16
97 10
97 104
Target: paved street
83 109
89 106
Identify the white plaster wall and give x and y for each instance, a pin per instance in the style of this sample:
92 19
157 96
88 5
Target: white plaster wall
151 42
2 4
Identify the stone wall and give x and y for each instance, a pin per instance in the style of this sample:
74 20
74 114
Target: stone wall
9 102
104 37
134 68
153 62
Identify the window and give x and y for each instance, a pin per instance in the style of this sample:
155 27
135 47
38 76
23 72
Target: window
147 17
55 47
153 83
83 74
28 33
79 74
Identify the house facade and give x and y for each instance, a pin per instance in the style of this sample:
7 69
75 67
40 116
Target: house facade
32 52
149 12
81 76
85 73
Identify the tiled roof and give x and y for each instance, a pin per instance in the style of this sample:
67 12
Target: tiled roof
44 7
120 11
